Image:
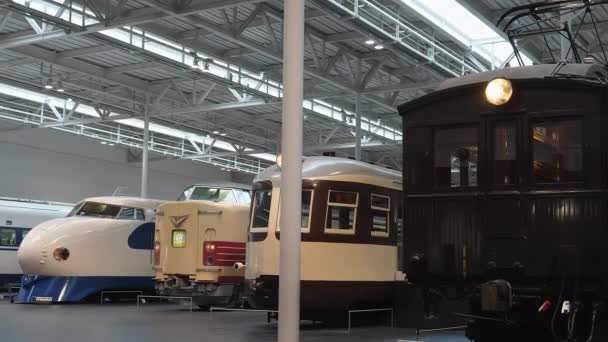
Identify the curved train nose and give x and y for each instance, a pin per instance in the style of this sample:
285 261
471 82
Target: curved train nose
33 252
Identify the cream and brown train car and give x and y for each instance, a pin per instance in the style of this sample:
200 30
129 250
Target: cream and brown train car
351 214
198 240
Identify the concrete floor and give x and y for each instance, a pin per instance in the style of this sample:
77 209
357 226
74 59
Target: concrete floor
168 322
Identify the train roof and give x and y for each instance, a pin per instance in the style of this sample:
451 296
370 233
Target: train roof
591 73
338 169
144 203
32 201
224 185
541 71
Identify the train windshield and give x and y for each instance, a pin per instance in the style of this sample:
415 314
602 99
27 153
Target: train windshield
261 208
216 194
105 210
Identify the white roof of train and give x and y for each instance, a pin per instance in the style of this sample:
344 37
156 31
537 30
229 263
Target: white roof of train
338 169
527 72
138 202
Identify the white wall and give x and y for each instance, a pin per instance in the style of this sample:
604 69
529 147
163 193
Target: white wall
48 164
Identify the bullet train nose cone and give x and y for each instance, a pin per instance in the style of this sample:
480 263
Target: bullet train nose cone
32 255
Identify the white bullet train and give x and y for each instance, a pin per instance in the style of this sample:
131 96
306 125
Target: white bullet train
17 217
105 243
351 217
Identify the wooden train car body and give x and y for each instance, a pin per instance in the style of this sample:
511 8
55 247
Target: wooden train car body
198 240
350 217
514 192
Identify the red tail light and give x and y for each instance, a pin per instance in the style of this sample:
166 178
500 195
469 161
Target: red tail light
156 253
223 253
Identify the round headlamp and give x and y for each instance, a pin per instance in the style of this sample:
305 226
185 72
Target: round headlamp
61 254
499 91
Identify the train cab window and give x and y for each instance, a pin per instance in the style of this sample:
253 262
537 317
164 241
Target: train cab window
96 209
341 212
226 196
505 154
381 213
8 237
243 197
557 151
456 155
261 208
126 213
307 196
139 214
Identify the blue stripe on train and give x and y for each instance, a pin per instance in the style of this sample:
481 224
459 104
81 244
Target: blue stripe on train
74 289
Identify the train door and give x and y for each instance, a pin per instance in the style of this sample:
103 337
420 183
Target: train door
503 219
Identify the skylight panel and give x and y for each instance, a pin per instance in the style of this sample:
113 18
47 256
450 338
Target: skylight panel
467 28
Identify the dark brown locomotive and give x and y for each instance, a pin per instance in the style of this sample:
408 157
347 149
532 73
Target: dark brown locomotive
506 205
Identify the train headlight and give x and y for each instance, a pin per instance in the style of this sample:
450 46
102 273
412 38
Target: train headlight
61 254
499 91
210 247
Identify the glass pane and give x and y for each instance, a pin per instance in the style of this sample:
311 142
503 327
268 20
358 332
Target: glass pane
505 154
24 233
205 194
186 194
8 237
178 238
126 214
380 201
380 221
343 197
226 195
261 208
558 153
140 215
306 199
340 217
98 210
456 153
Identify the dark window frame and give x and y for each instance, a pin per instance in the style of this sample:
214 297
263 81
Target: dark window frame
534 121
490 153
480 169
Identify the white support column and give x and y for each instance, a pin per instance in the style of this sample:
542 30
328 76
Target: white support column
291 171
358 127
144 155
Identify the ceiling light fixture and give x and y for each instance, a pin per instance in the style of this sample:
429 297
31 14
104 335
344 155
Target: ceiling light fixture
48 84
216 132
104 142
379 47
60 87
223 134
370 42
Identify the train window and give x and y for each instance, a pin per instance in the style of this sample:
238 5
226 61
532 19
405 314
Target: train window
139 214
8 237
243 197
261 208
97 209
341 212
227 196
557 151
456 153
24 233
381 210
307 196
505 154
126 213
186 194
